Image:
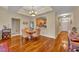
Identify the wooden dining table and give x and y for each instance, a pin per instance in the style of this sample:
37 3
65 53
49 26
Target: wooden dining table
75 42
30 32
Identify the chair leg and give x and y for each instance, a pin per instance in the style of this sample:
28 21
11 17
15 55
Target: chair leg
35 38
24 40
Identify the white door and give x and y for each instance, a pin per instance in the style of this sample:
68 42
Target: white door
65 24
15 26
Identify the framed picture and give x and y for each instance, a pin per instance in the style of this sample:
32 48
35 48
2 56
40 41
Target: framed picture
41 22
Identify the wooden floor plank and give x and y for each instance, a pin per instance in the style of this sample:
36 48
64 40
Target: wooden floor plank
41 44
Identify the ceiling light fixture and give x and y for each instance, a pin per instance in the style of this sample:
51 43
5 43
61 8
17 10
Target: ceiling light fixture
33 12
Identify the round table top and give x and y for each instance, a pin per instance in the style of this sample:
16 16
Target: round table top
75 40
30 31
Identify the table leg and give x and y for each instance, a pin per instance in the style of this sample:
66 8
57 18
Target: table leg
30 37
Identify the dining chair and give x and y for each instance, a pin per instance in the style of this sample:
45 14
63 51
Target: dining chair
73 46
24 35
4 46
36 34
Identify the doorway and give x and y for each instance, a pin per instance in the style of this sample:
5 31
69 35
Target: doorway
15 26
65 22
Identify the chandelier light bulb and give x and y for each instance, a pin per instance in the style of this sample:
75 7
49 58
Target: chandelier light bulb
32 12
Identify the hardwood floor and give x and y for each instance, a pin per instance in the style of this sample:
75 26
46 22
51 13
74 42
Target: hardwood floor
61 42
41 44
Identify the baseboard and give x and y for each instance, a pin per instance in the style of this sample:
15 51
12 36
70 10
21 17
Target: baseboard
40 34
15 35
48 36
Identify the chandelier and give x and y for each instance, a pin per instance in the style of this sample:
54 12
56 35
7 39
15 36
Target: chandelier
32 12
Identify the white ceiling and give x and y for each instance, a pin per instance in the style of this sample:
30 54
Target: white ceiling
63 9
24 10
40 10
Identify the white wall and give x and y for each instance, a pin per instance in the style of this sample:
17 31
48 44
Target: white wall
76 18
50 30
6 16
5 19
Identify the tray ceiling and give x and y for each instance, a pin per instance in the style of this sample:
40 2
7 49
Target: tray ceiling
24 10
